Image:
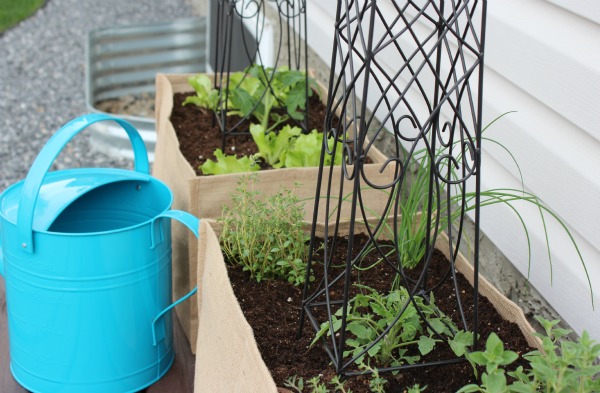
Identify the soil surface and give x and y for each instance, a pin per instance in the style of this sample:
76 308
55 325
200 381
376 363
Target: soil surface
202 133
272 309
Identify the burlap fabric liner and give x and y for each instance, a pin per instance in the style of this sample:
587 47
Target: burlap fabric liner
205 196
227 357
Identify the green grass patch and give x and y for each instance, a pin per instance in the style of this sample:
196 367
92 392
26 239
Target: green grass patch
14 11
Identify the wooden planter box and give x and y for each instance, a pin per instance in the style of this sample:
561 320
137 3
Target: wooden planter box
227 356
205 196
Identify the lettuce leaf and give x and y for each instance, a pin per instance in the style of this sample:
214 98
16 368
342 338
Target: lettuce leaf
228 164
245 94
273 145
206 97
306 151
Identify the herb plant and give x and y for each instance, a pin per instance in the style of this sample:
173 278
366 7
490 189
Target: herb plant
315 385
377 383
413 230
371 313
416 389
296 383
562 366
265 234
494 356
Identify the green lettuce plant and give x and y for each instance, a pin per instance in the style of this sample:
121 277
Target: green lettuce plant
206 97
305 151
286 148
290 148
270 89
272 146
228 164
256 92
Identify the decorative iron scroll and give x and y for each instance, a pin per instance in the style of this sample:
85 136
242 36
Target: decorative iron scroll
244 21
413 69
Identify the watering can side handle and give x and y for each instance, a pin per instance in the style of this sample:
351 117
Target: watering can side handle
183 217
155 338
48 154
1 254
192 223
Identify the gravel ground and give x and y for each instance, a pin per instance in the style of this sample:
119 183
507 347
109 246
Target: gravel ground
42 77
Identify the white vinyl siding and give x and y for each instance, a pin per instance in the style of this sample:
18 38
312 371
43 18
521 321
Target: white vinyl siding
542 61
589 9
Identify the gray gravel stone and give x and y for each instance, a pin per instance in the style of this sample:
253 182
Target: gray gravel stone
42 77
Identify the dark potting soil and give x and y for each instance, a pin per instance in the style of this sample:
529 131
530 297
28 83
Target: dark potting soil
272 309
200 134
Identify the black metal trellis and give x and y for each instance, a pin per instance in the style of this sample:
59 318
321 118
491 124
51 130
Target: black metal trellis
418 66
245 21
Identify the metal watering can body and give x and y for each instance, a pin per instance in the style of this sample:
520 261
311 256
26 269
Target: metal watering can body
86 255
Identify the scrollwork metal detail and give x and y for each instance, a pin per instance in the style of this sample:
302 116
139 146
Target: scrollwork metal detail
413 70
245 21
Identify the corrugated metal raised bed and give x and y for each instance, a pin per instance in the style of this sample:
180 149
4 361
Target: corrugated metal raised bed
121 66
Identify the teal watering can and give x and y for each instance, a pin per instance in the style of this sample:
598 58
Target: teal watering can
86 255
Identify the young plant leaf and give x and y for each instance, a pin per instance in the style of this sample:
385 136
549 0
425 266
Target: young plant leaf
271 145
228 164
206 97
461 342
426 345
306 151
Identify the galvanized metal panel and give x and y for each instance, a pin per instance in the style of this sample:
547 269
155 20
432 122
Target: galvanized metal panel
124 60
135 60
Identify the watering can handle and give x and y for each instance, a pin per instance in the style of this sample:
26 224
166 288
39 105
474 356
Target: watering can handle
1 261
192 223
48 154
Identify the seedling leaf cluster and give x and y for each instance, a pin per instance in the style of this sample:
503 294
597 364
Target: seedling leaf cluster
272 98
